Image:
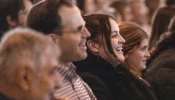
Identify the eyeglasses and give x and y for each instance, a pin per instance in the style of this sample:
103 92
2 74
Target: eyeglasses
80 29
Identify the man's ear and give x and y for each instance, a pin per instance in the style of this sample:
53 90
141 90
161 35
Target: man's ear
93 46
53 37
24 77
11 22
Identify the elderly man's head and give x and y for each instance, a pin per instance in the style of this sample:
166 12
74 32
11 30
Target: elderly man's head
28 65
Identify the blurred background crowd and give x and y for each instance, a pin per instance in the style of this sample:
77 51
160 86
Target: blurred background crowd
152 15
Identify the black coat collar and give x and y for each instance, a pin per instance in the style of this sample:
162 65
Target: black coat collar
3 97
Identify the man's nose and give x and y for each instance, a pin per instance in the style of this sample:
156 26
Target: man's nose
86 33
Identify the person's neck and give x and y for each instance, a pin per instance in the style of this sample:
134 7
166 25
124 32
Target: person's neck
66 64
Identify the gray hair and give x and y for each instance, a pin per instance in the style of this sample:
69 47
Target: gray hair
24 47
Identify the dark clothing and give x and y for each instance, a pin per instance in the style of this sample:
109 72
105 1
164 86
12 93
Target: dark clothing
3 97
161 74
109 83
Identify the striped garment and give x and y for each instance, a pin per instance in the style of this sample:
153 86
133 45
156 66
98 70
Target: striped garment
72 86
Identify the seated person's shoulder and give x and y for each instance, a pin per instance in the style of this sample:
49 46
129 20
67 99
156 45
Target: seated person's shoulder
98 86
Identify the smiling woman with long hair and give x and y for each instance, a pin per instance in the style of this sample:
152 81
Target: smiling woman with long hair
103 69
160 72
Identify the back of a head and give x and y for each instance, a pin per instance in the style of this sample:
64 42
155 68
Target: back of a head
133 34
119 6
80 4
166 40
160 24
170 2
171 26
152 5
23 47
8 8
44 16
165 43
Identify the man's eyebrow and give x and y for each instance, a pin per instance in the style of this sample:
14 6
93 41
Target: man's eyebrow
79 27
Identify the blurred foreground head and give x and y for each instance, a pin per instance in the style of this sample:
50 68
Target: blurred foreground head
28 66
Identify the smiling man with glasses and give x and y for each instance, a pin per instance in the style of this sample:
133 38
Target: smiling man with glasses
63 23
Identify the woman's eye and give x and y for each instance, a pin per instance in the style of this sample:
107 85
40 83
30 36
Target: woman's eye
115 35
144 48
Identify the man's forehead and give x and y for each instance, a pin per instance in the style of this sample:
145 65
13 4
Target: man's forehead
70 16
67 12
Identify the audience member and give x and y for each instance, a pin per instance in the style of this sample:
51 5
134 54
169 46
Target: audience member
103 69
102 6
104 54
140 11
160 72
136 47
136 53
122 11
63 23
13 13
140 14
152 5
28 66
161 20
86 6
22 14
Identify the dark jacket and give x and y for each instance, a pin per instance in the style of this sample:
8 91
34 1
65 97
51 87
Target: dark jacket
109 83
161 74
3 97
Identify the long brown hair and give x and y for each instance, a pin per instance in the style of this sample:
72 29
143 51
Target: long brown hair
133 34
99 25
161 20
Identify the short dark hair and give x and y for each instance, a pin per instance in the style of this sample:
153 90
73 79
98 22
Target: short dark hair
81 4
99 25
170 2
44 16
8 8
